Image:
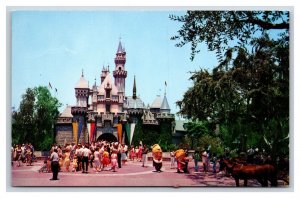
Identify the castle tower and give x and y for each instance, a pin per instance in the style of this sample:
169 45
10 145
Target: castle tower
103 73
79 111
134 89
82 92
120 73
94 96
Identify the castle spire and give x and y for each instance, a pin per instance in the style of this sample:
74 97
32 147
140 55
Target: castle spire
134 89
120 48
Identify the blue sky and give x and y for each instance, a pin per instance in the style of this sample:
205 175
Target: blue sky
54 46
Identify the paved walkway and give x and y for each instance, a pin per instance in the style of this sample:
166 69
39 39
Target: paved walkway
132 175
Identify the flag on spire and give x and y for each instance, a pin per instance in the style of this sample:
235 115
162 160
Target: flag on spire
50 85
166 83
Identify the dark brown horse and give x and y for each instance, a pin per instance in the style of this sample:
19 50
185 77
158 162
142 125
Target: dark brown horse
262 173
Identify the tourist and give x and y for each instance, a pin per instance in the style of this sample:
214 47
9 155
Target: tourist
114 156
86 152
132 153
196 160
204 160
123 154
119 155
97 160
67 159
101 151
105 159
140 152
54 164
23 153
172 155
74 164
61 161
126 150
18 154
78 155
214 161
136 150
28 156
208 158
144 157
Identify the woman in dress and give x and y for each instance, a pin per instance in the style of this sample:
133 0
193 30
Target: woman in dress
97 160
140 152
105 159
123 155
74 164
114 156
18 154
132 153
67 159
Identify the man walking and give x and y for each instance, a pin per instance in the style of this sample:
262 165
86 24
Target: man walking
86 152
144 156
54 164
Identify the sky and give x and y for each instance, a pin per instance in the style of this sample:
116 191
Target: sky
55 46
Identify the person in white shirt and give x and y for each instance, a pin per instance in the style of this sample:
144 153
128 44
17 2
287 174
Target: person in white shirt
86 152
54 164
79 158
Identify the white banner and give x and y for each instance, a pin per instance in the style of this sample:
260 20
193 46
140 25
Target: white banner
89 130
131 132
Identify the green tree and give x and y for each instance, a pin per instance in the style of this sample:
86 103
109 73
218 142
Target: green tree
248 91
35 120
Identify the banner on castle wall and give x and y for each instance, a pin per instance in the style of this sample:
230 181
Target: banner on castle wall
75 131
119 129
132 126
92 131
127 130
88 125
80 126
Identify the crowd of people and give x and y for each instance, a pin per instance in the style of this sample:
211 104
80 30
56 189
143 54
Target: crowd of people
22 154
110 156
100 156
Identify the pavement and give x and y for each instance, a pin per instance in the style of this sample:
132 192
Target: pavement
132 174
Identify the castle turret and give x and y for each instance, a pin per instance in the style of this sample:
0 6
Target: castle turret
94 96
120 73
82 92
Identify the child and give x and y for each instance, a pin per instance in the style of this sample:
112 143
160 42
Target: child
74 164
44 167
67 160
105 160
60 162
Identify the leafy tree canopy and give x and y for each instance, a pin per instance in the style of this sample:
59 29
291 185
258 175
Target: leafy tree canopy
250 85
34 121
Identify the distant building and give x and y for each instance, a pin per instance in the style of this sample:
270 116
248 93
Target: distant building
108 106
179 132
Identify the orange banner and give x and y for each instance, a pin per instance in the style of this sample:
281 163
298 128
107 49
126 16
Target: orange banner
75 131
119 128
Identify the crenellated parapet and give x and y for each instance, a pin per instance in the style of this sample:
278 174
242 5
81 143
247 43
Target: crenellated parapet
165 116
120 73
62 120
120 60
79 110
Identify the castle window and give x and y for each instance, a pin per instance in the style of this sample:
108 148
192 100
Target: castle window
107 93
107 107
119 68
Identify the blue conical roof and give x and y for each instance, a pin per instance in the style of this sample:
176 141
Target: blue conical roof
165 104
120 48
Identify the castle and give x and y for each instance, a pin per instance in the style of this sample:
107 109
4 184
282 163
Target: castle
108 108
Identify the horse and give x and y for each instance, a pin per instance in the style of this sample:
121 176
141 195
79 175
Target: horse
262 173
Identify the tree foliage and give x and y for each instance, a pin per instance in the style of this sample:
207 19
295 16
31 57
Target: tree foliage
248 91
34 121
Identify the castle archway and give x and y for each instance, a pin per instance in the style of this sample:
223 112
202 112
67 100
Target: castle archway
108 137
